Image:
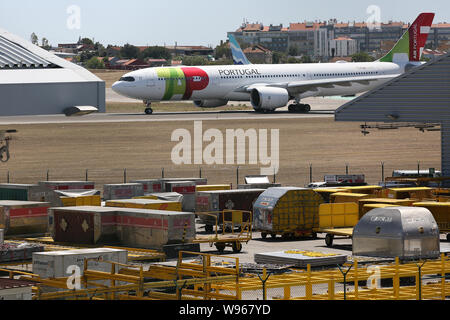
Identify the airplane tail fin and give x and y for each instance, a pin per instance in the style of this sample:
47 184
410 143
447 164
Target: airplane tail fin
411 44
238 55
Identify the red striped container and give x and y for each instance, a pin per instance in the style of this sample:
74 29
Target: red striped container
24 217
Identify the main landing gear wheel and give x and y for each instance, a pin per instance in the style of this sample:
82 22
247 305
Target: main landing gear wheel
148 109
301 108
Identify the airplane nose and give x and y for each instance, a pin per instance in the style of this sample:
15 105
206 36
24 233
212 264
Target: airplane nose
117 86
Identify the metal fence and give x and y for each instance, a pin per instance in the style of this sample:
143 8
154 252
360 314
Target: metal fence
298 175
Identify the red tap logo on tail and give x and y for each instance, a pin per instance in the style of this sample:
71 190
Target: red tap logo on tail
418 35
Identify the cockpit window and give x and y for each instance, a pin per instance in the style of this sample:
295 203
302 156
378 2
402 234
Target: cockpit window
127 79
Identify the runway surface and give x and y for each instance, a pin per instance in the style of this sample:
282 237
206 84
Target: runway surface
321 108
162 117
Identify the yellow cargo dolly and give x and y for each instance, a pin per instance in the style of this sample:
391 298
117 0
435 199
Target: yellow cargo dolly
230 218
337 219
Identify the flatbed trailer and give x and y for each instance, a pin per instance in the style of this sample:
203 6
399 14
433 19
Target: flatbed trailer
230 220
346 233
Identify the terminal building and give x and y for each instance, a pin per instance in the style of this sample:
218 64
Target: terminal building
34 81
418 97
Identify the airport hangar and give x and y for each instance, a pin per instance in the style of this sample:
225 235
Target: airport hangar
34 81
419 97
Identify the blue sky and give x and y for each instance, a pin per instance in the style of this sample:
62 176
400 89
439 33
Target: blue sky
195 22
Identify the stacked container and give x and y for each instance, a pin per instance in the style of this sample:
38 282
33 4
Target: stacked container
122 191
28 192
185 188
23 217
150 185
68 185
145 204
287 211
441 213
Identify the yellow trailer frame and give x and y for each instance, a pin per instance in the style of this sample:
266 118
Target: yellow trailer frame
332 233
232 239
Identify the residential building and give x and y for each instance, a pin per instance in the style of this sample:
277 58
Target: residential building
343 47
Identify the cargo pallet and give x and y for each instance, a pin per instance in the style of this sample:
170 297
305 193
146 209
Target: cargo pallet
344 233
230 220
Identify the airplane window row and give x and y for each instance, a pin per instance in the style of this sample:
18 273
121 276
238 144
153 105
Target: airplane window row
344 74
265 76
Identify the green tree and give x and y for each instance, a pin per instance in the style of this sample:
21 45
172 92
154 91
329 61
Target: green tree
86 41
362 57
293 51
195 61
223 50
45 44
129 51
95 63
155 53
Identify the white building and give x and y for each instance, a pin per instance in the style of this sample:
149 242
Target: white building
343 47
34 81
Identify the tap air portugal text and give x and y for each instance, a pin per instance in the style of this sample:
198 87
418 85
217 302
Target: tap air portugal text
269 87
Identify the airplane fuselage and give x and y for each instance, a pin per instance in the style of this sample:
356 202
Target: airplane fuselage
224 82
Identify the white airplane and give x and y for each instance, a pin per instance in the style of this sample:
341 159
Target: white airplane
269 87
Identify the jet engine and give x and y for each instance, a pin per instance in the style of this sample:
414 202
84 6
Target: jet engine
269 98
214 103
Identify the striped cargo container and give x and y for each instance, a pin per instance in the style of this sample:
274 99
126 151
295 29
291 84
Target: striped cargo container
24 217
122 191
151 185
68 185
185 188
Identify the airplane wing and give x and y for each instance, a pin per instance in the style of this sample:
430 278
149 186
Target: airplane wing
298 87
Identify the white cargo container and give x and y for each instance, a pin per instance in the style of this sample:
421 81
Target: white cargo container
15 290
55 264
187 189
122 191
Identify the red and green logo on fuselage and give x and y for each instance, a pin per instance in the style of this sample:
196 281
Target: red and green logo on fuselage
182 82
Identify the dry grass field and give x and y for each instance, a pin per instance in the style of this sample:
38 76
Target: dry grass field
105 150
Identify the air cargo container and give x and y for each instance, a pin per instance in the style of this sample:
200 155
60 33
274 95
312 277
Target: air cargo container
343 197
394 202
153 229
214 202
346 178
145 204
81 201
68 185
212 187
83 225
409 233
140 228
198 182
18 251
327 192
55 264
150 185
441 213
418 194
23 217
185 188
259 186
290 212
122 191
29 192
375 190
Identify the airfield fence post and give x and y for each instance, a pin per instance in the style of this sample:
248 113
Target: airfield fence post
344 274
87 175
162 173
124 175
48 175
310 173
382 171
200 173
418 168
419 280
264 279
346 168
237 176
274 176
7 176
